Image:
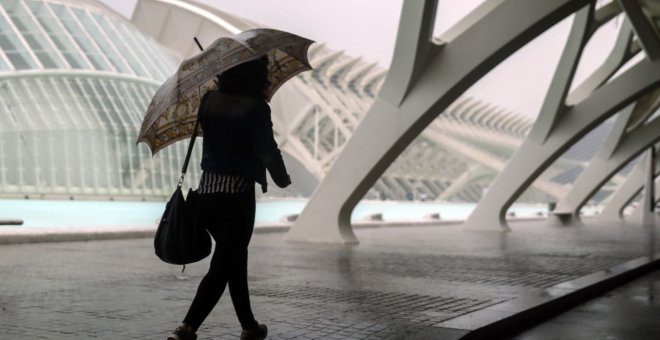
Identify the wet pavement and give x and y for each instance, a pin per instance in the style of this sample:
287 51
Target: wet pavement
399 283
631 312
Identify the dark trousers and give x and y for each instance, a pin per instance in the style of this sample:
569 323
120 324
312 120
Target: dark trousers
230 220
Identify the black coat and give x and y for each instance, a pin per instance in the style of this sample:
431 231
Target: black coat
238 138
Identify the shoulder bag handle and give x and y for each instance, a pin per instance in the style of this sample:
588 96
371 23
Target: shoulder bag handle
190 148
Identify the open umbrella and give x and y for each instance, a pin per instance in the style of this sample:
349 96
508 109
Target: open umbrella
172 113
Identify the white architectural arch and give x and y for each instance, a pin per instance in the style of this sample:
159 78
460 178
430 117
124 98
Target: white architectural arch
566 117
424 79
317 112
628 138
613 210
454 158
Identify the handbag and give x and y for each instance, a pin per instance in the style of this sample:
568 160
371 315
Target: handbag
181 238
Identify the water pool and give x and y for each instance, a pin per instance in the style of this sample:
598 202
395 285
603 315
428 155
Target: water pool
51 213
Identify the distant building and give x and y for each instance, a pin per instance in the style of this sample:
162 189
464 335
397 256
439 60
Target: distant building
75 79
455 159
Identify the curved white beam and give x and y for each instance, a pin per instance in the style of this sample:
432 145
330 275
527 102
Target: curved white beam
556 128
77 73
415 98
647 34
606 164
532 157
613 210
202 13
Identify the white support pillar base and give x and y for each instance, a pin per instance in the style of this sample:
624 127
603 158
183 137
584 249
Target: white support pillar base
647 217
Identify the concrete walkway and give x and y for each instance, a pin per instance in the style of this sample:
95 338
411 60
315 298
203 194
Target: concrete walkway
628 312
423 282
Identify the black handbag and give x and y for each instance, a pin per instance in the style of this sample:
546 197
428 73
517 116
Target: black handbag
181 238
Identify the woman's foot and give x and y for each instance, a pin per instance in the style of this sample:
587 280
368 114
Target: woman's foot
257 333
183 332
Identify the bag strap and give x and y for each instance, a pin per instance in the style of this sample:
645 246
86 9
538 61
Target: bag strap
194 134
191 144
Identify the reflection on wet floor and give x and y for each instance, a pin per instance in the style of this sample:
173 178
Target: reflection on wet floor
631 312
398 283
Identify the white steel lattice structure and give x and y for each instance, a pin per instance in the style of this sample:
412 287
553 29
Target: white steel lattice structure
314 115
75 78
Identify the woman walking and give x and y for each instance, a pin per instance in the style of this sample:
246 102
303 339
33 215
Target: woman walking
238 147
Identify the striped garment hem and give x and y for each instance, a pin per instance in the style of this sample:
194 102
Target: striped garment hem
214 182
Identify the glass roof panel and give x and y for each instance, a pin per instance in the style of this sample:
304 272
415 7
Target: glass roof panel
101 40
30 86
136 46
81 38
59 100
4 65
121 44
34 36
118 102
165 64
107 104
8 120
16 51
61 39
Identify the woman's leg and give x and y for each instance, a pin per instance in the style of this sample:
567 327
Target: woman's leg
209 291
238 284
213 284
232 229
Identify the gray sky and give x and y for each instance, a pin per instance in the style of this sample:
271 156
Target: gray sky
518 84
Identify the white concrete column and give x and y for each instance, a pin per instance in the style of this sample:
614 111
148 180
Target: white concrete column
605 165
613 210
647 203
532 158
564 119
424 80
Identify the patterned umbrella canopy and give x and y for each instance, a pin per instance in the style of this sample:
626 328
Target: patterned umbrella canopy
172 113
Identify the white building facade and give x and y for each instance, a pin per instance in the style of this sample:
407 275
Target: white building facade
75 78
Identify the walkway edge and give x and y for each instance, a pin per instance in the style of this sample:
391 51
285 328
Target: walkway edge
507 318
16 235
